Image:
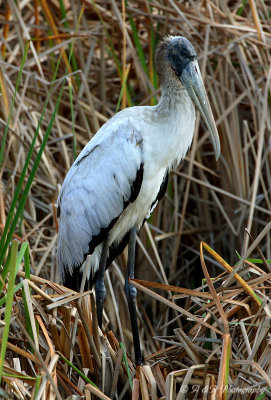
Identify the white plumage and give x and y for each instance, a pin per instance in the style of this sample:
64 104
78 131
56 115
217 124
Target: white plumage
122 172
99 181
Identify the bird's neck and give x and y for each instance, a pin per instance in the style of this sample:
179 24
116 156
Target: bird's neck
173 99
176 123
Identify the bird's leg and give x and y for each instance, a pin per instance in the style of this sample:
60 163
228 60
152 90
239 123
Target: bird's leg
131 296
100 289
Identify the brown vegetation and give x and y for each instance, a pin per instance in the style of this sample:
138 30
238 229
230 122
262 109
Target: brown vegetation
196 341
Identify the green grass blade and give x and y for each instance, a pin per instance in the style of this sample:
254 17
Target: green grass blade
8 311
4 298
253 260
26 260
83 376
241 9
22 253
73 122
139 48
37 386
227 370
25 253
122 90
126 364
262 396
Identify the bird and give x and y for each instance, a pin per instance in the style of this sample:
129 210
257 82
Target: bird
120 175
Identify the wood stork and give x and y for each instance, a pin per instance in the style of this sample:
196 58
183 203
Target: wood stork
121 174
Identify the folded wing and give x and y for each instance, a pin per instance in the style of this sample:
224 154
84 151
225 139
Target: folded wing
103 180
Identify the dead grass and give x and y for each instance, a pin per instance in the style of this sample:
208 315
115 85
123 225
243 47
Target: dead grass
200 338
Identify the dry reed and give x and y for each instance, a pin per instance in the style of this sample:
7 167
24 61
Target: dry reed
196 341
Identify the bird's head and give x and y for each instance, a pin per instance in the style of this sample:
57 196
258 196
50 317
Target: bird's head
176 65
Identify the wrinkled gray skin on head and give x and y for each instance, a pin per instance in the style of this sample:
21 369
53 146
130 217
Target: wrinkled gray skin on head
171 57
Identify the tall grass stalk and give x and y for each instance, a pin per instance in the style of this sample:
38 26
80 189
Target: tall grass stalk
11 267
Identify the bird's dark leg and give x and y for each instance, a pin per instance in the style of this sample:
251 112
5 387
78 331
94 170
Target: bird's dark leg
100 289
131 296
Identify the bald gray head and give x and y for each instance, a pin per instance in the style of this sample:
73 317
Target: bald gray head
177 67
172 55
